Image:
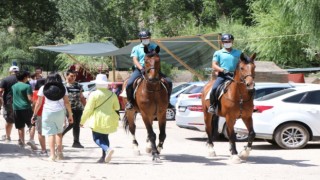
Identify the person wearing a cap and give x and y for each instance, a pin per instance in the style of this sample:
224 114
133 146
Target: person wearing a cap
54 112
101 116
138 55
224 62
6 93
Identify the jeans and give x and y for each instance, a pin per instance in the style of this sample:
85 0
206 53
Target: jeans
220 79
75 125
129 88
102 140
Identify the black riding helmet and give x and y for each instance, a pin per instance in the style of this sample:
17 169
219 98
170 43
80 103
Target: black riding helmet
144 34
227 37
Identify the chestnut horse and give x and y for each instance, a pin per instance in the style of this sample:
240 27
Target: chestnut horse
236 102
151 101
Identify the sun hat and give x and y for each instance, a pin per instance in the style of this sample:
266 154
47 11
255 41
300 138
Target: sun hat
101 79
13 68
54 91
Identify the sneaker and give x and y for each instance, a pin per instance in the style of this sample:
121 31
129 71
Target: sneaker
77 145
129 106
108 157
52 158
59 156
211 109
32 145
43 154
20 143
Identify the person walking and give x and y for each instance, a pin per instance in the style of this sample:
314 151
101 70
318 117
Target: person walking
54 112
6 93
38 119
224 62
22 110
100 113
77 101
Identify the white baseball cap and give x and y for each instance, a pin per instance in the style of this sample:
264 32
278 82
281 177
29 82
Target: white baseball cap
13 68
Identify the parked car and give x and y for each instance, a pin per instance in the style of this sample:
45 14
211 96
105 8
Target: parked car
87 88
190 114
176 91
288 118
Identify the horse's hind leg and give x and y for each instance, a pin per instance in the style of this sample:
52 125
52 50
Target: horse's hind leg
244 154
132 128
209 121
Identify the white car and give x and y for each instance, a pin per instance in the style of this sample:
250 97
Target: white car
87 88
289 118
189 107
176 91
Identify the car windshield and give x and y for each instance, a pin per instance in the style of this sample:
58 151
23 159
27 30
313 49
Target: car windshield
194 89
180 87
275 94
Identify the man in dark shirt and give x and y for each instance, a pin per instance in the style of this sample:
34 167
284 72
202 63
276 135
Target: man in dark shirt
77 102
6 93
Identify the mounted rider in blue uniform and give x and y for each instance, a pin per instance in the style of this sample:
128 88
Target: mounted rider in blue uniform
224 62
137 55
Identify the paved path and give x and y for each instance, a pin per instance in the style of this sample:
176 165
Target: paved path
183 156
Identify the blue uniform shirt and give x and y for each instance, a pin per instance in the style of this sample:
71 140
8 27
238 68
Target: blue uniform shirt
227 60
138 51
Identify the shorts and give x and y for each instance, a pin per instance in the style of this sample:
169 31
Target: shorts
39 124
22 117
8 113
52 122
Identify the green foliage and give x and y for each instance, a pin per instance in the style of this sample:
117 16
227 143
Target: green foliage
167 69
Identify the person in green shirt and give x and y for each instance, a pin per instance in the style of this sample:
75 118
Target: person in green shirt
22 109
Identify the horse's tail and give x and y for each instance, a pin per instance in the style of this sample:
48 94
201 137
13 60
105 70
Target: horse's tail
125 122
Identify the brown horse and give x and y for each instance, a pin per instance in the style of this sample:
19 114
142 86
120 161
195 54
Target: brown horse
236 102
151 101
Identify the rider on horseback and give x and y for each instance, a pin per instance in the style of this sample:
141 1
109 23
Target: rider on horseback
137 55
224 62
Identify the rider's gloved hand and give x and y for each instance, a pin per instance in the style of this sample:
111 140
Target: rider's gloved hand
142 71
225 71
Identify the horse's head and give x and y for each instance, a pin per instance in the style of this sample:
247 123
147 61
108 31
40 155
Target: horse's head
246 70
152 64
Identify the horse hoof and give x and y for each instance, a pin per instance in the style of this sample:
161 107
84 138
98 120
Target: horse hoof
148 150
156 159
136 152
212 154
244 154
159 149
235 159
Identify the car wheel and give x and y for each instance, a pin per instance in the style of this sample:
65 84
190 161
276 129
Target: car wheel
170 114
239 137
292 136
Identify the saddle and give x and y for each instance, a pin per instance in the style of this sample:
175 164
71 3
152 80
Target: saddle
138 81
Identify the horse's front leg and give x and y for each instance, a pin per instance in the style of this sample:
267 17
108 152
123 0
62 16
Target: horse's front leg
162 127
244 154
152 139
232 141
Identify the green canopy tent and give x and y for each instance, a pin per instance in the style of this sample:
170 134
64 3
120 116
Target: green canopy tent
185 52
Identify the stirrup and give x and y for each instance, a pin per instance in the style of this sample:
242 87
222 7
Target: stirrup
211 109
129 106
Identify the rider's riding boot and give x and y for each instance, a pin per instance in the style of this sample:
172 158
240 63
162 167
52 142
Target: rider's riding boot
212 106
129 104
170 106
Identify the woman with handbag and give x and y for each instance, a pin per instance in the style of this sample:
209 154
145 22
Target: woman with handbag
101 116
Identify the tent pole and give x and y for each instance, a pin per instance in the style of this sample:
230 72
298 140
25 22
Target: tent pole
210 44
113 68
161 45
